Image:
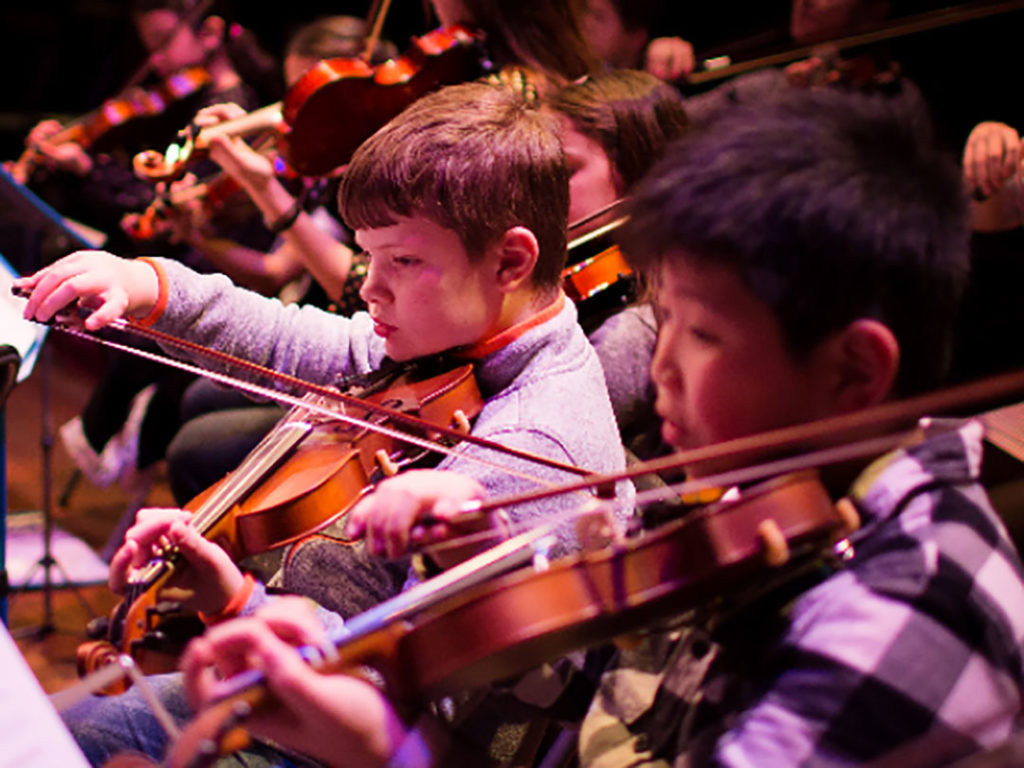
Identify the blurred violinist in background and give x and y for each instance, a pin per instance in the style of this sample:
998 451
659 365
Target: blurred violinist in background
87 175
614 127
625 34
84 168
539 43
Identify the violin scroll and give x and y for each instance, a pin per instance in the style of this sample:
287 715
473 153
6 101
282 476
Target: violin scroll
193 142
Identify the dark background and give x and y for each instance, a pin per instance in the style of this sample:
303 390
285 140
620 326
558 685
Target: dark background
64 57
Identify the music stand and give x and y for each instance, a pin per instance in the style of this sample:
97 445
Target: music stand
37 235
10 361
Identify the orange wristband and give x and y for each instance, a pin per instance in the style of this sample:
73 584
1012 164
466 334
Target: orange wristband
161 298
235 604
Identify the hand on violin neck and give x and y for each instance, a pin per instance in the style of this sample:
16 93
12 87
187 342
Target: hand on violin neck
205 582
49 148
68 157
252 169
108 285
334 718
423 510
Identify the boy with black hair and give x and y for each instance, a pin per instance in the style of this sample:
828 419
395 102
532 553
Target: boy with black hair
799 252
461 204
807 255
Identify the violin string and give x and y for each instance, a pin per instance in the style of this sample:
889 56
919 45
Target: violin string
688 488
282 397
967 399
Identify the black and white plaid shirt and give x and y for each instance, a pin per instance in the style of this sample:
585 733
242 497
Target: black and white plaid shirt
910 653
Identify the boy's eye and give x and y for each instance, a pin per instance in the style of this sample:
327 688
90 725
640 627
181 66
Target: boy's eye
702 334
405 261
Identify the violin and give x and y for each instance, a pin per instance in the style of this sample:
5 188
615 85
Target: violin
210 197
784 528
514 622
133 103
597 277
305 476
334 106
721 67
307 473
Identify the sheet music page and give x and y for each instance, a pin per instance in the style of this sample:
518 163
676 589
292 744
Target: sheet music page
32 734
25 336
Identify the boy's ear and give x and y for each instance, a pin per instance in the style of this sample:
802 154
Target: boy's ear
518 251
868 356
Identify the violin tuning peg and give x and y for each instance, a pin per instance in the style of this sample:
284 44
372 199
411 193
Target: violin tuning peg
849 516
460 421
776 548
386 464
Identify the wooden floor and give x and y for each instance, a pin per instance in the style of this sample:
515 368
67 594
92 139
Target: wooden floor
51 636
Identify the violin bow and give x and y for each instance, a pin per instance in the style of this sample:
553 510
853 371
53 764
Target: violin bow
820 442
909 25
374 23
311 388
584 220
341 397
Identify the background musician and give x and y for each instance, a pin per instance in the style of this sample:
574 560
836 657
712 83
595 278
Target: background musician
98 186
310 261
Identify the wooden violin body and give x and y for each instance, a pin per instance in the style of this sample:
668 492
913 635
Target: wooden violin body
339 103
515 622
598 278
306 474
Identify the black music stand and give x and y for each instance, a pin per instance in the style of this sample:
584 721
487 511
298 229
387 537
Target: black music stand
36 235
32 233
10 362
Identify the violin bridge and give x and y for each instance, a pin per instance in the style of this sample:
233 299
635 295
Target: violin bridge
596 527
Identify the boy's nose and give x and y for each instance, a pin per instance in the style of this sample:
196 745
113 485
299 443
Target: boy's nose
372 288
663 369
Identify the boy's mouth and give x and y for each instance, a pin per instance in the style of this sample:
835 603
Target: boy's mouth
383 329
672 432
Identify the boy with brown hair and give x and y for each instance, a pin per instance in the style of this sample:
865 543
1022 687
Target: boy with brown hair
806 256
461 204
